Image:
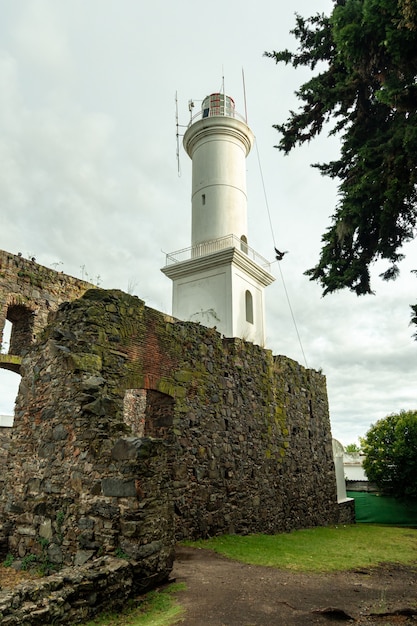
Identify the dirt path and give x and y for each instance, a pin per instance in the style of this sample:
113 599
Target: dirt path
227 593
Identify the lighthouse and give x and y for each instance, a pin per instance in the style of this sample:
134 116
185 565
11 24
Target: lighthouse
219 280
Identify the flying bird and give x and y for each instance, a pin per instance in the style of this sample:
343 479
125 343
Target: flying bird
279 255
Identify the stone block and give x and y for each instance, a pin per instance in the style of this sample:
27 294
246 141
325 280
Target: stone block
82 556
127 448
59 432
45 529
118 488
55 553
28 531
86 362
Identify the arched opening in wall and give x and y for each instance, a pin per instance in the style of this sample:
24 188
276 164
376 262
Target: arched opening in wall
22 321
148 413
244 244
249 306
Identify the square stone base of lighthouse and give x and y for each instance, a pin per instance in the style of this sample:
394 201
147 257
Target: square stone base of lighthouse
222 289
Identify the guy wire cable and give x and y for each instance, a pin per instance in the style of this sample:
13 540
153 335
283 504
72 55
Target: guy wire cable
279 264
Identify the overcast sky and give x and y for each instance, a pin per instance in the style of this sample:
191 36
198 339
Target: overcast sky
89 179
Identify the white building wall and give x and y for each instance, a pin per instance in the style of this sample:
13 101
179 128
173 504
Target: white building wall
353 468
219 201
339 470
203 298
6 421
211 289
218 148
254 332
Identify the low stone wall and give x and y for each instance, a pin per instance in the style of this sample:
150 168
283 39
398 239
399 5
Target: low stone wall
361 485
75 594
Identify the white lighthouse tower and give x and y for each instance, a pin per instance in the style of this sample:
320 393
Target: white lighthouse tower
219 281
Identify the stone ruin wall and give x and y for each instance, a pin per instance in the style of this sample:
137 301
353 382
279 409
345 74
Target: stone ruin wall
134 430
247 435
28 293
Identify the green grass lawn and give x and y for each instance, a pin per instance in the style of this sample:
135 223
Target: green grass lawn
320 549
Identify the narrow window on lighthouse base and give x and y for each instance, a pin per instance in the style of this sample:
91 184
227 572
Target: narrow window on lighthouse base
249 306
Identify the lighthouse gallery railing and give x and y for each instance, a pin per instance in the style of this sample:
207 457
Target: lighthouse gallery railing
210 247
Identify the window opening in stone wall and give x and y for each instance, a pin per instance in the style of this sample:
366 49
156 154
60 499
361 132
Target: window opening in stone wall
134 407
203 199
9 380
148 413
310 408
249 306
159 415
9 384
244 244
21 335
5 341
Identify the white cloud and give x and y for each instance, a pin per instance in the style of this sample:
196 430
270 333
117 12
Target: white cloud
88 173
40 38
